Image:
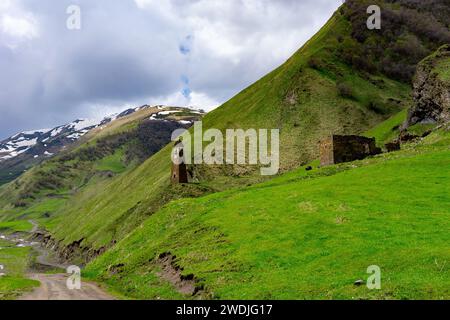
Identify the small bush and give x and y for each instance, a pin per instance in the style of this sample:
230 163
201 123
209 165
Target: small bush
20 204
345 90
315 63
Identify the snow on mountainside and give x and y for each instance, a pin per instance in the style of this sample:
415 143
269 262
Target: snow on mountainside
46 142
47 138
25 149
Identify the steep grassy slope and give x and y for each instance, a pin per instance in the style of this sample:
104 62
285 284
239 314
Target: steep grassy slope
304 235
302 98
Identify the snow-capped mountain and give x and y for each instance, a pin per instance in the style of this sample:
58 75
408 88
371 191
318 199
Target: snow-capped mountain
46 142
27 148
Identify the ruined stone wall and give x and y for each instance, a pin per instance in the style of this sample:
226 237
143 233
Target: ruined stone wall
338 149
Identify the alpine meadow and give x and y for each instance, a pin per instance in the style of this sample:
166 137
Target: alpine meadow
358 210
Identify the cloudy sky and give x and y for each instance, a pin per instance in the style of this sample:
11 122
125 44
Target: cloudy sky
135 52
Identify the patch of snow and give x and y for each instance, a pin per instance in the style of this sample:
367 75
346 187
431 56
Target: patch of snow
166 113
80 124
75 136
55 132
26 143
34 132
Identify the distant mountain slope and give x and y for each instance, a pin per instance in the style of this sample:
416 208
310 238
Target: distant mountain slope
26 149
99 151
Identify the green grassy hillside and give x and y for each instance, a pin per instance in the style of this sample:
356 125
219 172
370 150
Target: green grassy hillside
253 242
304 235
303 98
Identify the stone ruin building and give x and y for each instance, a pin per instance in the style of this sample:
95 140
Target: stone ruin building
338 149
179 170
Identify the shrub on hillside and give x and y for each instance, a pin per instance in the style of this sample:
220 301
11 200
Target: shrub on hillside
408 34
345 90
151 137
315 63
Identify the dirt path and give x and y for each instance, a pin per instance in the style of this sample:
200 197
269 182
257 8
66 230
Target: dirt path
53 286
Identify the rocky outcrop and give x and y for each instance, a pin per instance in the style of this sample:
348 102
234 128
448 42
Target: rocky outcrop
431 90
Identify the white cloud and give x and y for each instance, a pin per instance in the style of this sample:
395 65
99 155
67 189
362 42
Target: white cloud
203 101
134 52
234 28
19 27
16 24
198 100
5 5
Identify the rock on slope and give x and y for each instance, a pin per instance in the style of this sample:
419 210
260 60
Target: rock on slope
432 90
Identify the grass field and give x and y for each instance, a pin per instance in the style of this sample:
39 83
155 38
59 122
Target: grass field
15 226
305 235
388 130
14 262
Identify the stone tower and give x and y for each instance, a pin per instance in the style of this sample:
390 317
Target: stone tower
179 170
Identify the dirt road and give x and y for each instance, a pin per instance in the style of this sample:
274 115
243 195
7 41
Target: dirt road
53 287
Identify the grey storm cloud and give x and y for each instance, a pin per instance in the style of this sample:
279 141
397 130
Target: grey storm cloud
132 52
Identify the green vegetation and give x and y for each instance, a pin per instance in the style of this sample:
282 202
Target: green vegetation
411 31
14 261
15 226
113 163
388 130
420 129
443 69
305 235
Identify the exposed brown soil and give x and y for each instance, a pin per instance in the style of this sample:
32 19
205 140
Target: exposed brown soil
172 273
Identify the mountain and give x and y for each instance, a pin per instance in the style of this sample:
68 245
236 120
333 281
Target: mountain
26 149
231 233
325 87
310 234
